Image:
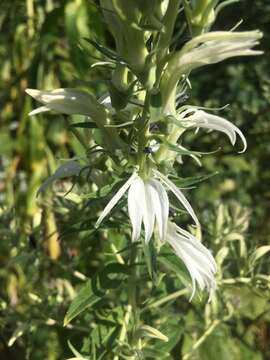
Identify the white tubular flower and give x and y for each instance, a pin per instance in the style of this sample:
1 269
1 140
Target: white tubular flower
148 203
216 46
209 48
65 101
196 257
74 101
202 119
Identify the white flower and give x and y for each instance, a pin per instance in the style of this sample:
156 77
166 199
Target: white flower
213 47
148 204
197 258
66 101
73 101
209 48
202 119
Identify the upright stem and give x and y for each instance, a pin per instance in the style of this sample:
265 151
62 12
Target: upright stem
143 134
166 35
132 288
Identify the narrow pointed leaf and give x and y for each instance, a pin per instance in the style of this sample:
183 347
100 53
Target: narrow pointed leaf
85 299
69 168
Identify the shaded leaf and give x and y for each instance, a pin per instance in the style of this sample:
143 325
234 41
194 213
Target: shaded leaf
85 298
69 168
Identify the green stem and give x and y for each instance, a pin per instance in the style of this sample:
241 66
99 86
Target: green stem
198 343
117 255
132 286
166 36
123 332
167 298
143 135
164 153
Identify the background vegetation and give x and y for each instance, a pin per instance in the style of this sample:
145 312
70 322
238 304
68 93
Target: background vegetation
48 248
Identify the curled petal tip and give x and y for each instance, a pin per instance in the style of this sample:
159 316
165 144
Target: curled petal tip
245 145
32 92
39 110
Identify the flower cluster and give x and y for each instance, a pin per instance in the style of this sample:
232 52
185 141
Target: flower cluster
156 72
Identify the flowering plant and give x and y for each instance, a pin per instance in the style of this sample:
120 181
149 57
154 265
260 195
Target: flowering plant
137 129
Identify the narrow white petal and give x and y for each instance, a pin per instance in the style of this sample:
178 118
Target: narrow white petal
149 213
195 246
180 196
161 207
205 120
67 101
197 258
195 276
33 92
116 198
136 206
106 101
198 245
39 110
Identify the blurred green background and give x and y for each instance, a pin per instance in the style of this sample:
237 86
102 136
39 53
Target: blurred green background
42 46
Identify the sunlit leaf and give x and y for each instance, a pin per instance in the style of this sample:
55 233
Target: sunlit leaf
259 253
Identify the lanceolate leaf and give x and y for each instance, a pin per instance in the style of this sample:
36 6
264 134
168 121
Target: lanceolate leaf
85 298
258 253
69 168
190 181
75 352
103 50
109 278
85 125
172 263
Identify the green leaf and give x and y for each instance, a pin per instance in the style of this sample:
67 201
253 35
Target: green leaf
103 50
258 253
173 263
150 255
112 275
75 352
149 331
190 181
156 100
246 302
220 344
85 125
182 151
175 329
153 353
85 298
69 168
